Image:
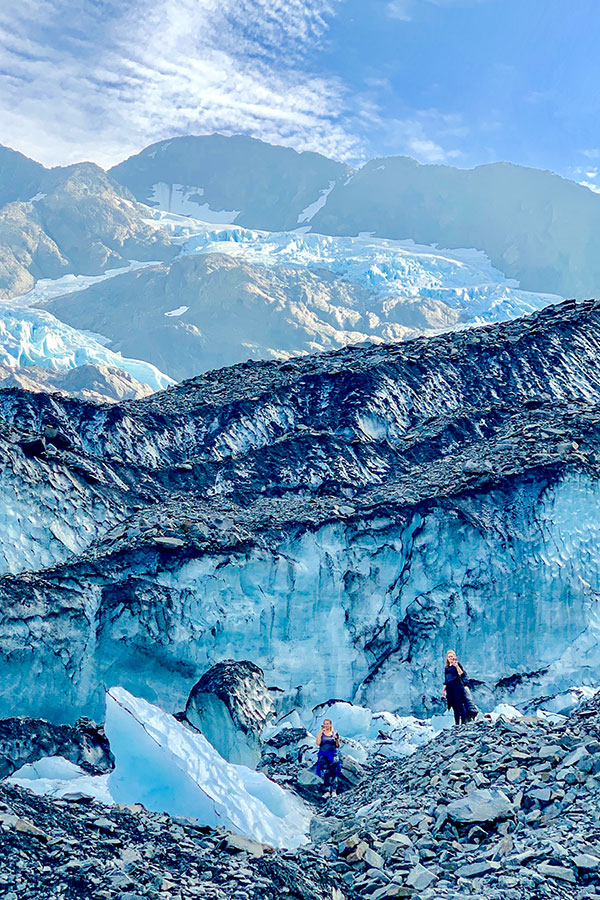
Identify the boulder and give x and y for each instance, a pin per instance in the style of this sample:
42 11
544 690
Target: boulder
481 806
230 705
26 740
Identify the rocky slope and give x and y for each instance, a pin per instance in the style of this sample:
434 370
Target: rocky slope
504 811
97 383
80 220
340 519
51 849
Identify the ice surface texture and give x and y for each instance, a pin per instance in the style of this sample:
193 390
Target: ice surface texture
340 520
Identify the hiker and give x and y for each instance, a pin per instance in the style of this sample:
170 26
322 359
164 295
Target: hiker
455 692
328 763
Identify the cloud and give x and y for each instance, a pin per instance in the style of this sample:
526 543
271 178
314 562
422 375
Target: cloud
404 10
103 80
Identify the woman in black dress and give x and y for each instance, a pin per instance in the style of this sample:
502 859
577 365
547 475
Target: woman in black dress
454 689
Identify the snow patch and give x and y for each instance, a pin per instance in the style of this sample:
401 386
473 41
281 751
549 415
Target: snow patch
36 197
48 288
177 312
310 211
183 200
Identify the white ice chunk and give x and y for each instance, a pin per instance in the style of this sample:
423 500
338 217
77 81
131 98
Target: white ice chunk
57 777
170 768
36 197
506 711
177 312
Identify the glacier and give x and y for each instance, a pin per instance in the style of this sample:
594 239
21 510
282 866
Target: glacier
31 337
376 504
396 271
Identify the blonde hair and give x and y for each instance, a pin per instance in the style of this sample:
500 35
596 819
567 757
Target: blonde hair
448 654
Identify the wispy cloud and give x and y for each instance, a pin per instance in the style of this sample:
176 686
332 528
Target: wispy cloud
404 10
102 80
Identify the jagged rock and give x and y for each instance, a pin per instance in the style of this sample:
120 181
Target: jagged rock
24 826
238 843
231 704
290 743
475 870
24 740
558 872
420 877
481 806
586 861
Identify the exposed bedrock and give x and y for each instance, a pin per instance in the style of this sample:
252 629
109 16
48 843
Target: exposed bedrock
231 705
340 520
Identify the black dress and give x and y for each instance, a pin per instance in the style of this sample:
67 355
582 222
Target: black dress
455 695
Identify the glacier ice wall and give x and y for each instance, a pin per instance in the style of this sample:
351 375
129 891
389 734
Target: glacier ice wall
340 520
362 610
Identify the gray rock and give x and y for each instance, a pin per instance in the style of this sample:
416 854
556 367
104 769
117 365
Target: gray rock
474 870
559 872
420 878
586 861
482 806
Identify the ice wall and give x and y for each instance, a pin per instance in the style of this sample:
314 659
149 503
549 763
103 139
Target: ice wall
361 610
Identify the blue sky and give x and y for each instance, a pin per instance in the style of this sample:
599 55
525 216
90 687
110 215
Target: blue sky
456 81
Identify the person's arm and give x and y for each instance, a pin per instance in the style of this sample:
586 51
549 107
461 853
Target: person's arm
458 669
319 736
337 740
444 692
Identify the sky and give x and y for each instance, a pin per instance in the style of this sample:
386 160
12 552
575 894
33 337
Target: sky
461 82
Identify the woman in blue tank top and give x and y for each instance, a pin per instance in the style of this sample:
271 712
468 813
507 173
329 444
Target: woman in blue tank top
328 764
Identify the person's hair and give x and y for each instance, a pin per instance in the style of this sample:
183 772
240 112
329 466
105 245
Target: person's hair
447 655
330 722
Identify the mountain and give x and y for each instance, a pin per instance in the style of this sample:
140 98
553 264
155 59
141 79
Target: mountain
20 177
82 222
97 383
236 294
230 179
534 225
339 519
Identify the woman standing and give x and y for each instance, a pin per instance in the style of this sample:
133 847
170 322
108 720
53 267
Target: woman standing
328 764
454 690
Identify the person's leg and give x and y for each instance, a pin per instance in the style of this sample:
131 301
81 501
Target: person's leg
460 715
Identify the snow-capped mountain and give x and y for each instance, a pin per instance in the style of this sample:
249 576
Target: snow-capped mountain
533 225
226 179
377 504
